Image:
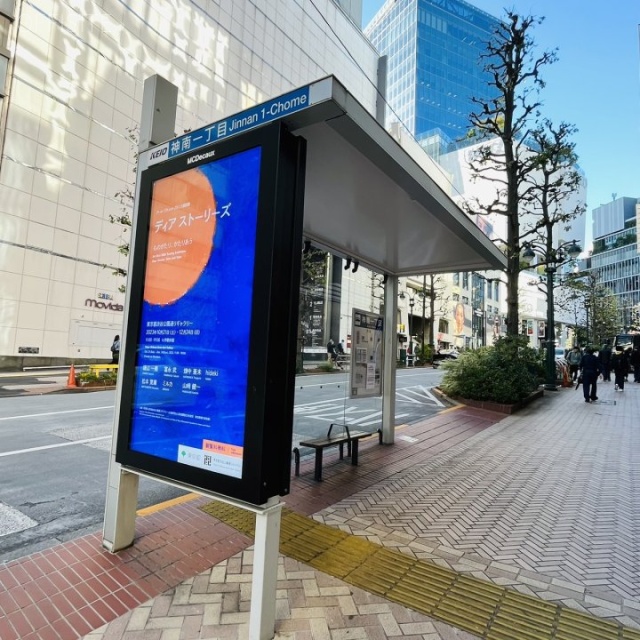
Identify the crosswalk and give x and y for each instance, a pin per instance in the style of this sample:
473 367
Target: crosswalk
410 401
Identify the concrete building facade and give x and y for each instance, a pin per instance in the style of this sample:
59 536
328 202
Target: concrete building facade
73 74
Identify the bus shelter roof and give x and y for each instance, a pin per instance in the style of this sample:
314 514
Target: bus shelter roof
369 199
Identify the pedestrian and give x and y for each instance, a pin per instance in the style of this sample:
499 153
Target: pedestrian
332 354
634 361
115 350
604 355
590 368
340 353
620 366
573 359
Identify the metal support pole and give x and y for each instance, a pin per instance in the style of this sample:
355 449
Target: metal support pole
262 616
157 122
550 384
411 362
389 363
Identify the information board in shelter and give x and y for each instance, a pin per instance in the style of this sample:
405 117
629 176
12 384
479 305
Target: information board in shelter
367 354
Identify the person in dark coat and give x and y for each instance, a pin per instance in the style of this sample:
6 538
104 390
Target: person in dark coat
591 368
635 363
604 355
573 358
620 366
332 354
115 350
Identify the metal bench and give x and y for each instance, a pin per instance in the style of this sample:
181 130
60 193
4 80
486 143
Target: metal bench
343 359
350 438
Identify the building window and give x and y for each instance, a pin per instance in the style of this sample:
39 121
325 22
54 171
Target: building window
5 25
6 14
4 62
456 279
465 280
7 8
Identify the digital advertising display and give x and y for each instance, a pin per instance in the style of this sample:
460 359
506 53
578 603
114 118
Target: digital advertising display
195 401
190 391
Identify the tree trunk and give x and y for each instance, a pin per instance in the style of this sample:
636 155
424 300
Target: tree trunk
513 246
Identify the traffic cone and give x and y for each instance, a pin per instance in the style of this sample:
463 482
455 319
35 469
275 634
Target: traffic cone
71 380
566 382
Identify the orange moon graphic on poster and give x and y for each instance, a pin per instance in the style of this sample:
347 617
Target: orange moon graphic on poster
181 233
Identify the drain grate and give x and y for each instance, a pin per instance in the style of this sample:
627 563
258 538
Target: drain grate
486 610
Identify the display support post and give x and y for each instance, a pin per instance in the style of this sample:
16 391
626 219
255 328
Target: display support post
262 616
157 124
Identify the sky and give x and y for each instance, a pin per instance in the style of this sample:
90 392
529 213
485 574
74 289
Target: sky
594 85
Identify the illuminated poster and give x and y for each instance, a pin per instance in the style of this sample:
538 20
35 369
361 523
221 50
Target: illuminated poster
367 354
190 384
542 329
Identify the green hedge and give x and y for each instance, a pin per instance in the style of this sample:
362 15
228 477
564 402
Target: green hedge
507 372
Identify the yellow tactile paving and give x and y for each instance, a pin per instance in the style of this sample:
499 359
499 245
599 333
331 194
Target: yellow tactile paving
486 610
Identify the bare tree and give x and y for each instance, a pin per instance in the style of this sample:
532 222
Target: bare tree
592 304
125 198
550 187
509 117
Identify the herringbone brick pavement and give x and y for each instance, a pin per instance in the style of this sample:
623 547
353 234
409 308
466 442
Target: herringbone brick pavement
75 587
309 606
546 502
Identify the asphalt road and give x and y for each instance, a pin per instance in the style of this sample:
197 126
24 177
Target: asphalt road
54 451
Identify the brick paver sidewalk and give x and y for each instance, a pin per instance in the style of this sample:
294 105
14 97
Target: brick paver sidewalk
546 501
185 566
543 502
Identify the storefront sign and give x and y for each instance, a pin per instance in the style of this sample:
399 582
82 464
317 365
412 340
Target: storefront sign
101 304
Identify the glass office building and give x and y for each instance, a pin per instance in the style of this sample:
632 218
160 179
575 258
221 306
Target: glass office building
434 66
615 259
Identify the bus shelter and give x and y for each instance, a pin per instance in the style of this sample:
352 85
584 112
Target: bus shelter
221 217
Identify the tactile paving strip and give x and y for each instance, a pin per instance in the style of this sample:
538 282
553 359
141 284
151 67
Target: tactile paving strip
484 609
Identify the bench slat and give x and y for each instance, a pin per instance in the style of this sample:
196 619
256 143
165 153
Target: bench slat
327 442
350 438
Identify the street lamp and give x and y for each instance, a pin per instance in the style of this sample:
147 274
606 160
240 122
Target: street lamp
587 307
552 259
412 301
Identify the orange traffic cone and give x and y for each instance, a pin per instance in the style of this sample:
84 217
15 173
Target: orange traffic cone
566 382
71 380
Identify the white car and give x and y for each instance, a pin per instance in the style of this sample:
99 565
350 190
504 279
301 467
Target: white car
559 353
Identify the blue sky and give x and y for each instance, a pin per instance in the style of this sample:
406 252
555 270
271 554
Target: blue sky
595 84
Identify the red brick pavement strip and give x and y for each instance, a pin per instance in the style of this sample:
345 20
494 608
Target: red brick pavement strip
67 591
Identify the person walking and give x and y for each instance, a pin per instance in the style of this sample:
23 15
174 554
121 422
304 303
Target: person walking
573 359
332 354
604 355
340 353
620 366
635 363
115 350
590 368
